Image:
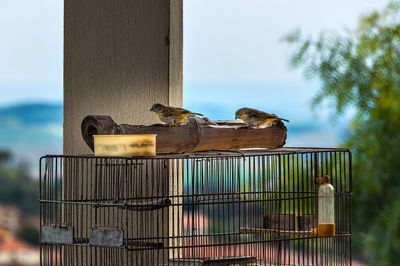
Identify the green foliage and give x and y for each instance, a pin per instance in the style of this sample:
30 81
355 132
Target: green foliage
361 69
5 156
29 234
18 189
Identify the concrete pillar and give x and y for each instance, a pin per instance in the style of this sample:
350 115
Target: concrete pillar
120 57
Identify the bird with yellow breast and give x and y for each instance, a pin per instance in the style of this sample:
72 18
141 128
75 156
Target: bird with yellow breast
256 118
172 115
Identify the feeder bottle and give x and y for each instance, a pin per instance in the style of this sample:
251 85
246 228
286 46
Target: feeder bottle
326 208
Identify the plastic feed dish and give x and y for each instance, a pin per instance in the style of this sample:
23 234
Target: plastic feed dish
125 145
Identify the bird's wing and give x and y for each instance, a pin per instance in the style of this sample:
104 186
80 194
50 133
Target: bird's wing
181 111
171 111
253 113
165 112
257 115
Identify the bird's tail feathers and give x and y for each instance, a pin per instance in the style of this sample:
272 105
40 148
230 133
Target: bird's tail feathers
196 114
284 119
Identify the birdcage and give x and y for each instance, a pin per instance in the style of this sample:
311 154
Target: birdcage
253 207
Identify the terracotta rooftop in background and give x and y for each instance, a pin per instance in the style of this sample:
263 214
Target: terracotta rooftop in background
14 244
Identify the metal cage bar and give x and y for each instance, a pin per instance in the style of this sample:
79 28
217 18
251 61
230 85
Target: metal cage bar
253 207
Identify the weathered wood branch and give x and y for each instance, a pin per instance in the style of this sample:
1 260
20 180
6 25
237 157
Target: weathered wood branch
196 135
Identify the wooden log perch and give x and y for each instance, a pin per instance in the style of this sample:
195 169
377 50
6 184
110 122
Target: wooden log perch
197 134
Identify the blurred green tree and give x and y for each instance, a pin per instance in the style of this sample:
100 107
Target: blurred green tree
5 156
17 187
361 69
29 234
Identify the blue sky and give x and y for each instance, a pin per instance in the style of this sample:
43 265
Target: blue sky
239 42
31 50
233 53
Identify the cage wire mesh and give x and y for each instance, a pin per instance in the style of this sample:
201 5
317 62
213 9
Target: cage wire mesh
211 208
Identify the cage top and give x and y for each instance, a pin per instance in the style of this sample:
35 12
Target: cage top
215 153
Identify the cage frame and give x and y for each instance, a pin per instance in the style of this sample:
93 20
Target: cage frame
283 236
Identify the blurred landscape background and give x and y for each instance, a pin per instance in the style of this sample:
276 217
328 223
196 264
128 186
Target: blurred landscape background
236 53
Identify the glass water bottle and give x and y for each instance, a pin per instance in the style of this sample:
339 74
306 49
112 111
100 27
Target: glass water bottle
326 208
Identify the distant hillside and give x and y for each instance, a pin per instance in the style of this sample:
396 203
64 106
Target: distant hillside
31 130
219 101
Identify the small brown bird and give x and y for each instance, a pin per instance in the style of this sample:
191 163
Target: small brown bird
172 115
256 118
